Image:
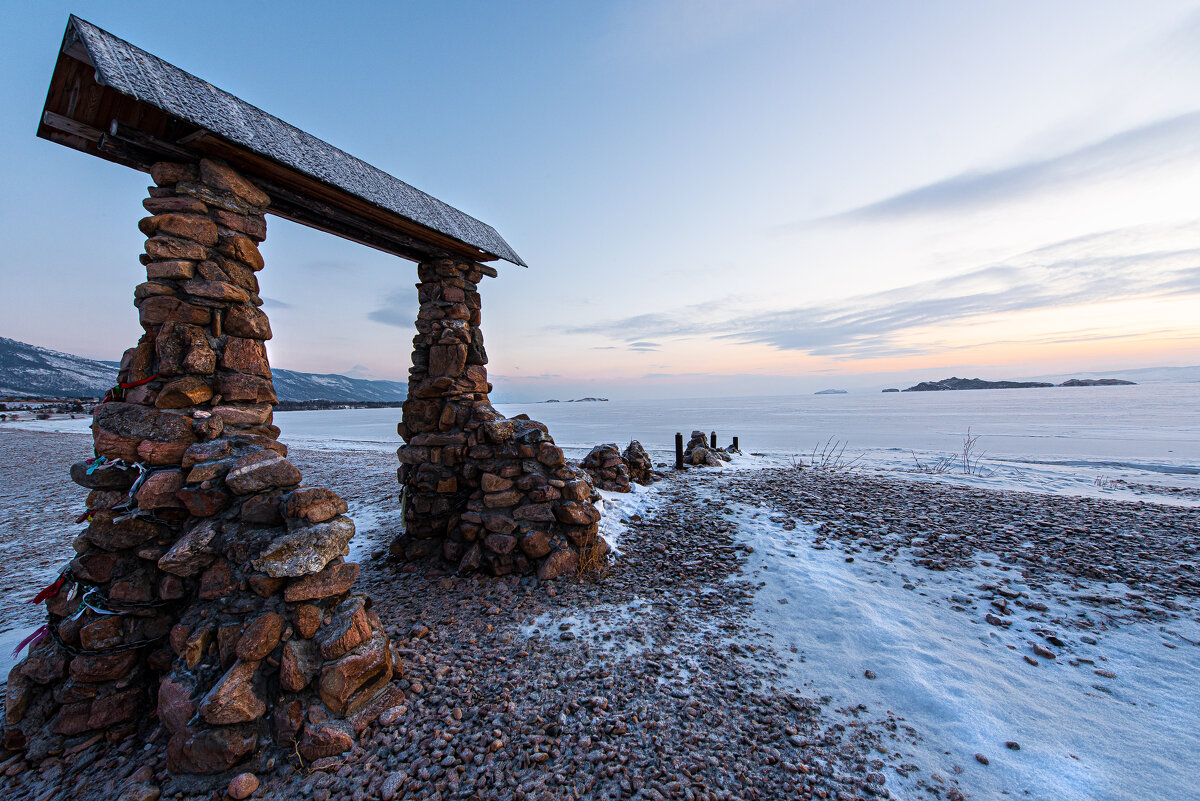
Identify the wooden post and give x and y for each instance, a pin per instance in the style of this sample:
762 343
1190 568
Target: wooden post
735 445
678 451
712 440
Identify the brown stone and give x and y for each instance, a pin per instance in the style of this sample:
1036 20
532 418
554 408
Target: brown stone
535 544
183 392
216 290
242 786
165 205
143 422
45 665
220 175
244 415
103 633
297 665
262 510
17 695
217 581
113 446
314 504
253 226
538 512
105 532
161 453
550 455
158 491
260 637
500 543
203 502
496 500
167 248
72 718
246 356
307 619
95 668
494 483
175 703
242 248
165 173
501 524
259 471
340 680
333 580
95 568
326 739
577 491
246 320
205 452
191 553
348 629
162 308
198 229
241 388
173 269
110 710
560 563
576 513
207 751
447 360
233 699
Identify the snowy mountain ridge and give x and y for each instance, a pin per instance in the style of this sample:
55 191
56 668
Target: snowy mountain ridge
30 371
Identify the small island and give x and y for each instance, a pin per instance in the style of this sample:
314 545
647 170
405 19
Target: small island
578 400
891 389
831 392
979 383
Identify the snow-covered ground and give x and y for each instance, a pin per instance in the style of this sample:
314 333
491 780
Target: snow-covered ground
1117 719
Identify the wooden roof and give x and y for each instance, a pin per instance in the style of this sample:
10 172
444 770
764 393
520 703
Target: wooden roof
116 101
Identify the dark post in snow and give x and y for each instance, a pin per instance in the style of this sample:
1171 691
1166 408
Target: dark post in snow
712 440
678 451
734 447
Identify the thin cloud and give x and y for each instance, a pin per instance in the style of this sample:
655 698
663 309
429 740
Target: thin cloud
272 303
1074 272
398 309
1160 142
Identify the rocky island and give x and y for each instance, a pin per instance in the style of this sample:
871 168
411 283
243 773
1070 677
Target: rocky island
979 383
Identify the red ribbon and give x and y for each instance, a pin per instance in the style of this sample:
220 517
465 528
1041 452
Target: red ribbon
50 591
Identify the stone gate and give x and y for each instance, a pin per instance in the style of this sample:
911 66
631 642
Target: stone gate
210 586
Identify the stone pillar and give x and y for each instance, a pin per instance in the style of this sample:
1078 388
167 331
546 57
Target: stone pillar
482 491
216 592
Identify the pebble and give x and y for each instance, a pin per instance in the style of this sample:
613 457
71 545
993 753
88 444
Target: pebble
1012 745
981 759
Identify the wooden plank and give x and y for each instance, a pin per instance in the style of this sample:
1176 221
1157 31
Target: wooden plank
68 125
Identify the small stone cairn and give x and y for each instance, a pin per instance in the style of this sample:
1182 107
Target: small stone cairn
482 491
209 587
606 467
613 471
699 453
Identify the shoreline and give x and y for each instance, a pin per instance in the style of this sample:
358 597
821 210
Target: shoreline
664 676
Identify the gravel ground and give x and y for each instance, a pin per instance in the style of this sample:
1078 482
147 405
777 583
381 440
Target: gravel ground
647 682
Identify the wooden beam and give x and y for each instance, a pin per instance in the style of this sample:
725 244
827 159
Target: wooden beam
67 125
139 138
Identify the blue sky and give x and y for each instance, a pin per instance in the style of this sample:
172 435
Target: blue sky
713 198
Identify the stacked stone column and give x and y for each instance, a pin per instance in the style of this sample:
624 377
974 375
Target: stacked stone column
213 591
482 491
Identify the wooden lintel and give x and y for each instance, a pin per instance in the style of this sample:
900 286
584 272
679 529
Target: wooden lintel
141 139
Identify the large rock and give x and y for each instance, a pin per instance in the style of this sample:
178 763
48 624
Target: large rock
259 471
306 549
191 553
207 751
341 680
331 581
233 699
641 469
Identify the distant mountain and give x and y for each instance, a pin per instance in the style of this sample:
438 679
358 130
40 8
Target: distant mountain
30 371
830 392
1097 382
293 386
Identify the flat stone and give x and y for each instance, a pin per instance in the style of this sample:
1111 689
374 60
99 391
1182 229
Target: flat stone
244 355
158 491
143 422
203 502
171 269
232 699
184 226
216 290
260 637
331 581
306 549
96 668
340 680
207 751
162 453
166 248
241 388
500 543
314 504
104 477
183 392
538 512
220 175
244 414
326 739
259 471
576 513
191 553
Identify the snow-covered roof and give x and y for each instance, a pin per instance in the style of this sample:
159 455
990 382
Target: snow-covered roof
173 110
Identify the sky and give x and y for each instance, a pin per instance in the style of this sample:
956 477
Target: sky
714 198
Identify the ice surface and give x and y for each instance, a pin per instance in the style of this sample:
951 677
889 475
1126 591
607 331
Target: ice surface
965 686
